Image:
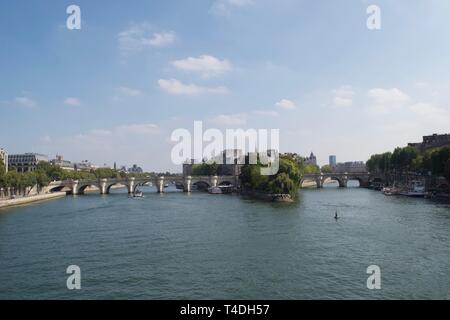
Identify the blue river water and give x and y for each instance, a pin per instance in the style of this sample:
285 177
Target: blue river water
202 246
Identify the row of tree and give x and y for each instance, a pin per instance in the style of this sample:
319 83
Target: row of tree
409 159
46 172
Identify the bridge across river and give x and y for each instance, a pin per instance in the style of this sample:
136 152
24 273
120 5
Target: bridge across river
364 178
132 183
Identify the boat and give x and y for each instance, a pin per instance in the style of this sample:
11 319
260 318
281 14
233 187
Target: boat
215 190
414 189
138 194
179 186
166 185
390 191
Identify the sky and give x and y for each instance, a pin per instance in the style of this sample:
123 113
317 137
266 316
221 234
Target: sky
116 89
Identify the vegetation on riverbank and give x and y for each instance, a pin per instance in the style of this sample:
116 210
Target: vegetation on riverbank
408 159
46 172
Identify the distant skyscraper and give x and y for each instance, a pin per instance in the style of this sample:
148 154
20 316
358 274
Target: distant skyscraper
332 161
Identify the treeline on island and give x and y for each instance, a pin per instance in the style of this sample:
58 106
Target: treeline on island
408 159
286 181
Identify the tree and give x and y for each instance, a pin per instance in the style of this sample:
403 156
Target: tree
205 169
310 169
402 158
286 181
326 169
440 162
2 174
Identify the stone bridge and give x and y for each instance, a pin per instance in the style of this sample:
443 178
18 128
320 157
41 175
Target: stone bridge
104 185
364 178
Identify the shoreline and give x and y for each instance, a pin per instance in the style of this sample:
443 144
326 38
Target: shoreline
8 203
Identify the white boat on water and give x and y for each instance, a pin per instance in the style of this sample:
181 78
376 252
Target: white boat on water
390 191
138 194
215 190
414 189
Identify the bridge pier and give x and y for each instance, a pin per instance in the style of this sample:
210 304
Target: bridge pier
187 186
74 187
343 181
319 183
103 186
130 184
160 185
214 180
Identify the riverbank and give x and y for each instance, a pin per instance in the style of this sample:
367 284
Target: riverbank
26 200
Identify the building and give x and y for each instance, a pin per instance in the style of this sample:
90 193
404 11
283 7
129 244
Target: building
135 169
332 161
4 158
26 162
433 141
311 160
350 167
230 162
64 164
84 165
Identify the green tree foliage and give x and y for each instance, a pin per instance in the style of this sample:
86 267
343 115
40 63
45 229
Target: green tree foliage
403 158
286 181
2 173
310 169
106 173
380 162
2 168
326 169
205 169
46 172
435 161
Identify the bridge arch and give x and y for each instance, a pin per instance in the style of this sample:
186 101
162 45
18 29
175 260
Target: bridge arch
310 180
201 184
82 188
110 185
341 180
141 183
225 183
59 189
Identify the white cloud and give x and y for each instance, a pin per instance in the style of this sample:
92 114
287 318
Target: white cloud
130 92
138 37
385 100
128 131
206 65
72 101
268 113
230 119
162 39
25 102
343 96
223 7
431 115
146 128
421 84
286 104
176 87
100 132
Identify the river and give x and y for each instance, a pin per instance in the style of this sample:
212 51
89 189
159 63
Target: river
201 246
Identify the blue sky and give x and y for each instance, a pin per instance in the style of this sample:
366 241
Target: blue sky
117 88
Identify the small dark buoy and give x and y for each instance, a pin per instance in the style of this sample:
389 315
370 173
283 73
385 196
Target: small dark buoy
336 215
